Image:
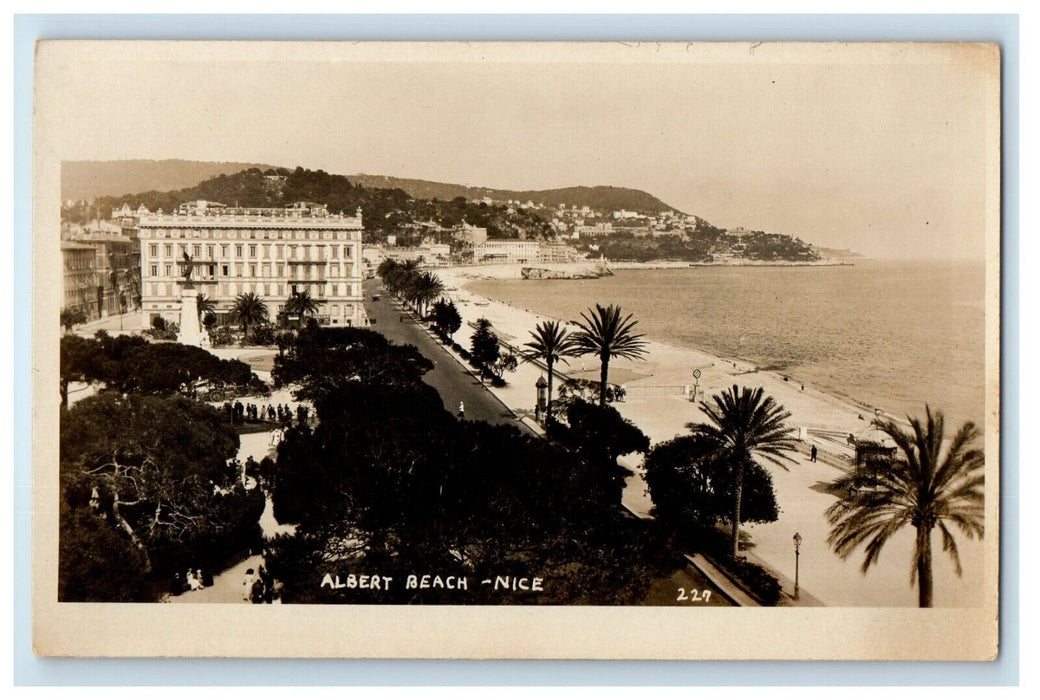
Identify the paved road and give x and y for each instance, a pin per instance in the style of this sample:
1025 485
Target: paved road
448 377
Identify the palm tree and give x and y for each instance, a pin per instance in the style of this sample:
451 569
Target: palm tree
205 305
301 303
605 334
425 288
923 486
551 343
744 426
249 309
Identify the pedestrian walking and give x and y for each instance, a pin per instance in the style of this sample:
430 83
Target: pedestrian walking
462 410
812 454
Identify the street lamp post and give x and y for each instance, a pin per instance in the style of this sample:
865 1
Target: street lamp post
797 552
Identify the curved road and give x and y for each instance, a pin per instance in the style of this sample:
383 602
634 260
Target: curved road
451 380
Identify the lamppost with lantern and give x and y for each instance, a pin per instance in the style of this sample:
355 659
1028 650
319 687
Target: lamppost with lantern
797 547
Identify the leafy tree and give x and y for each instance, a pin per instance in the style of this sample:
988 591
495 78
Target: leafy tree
159 472
447 319
249 310
550 343
389 480
505 363
929 484
484 346
744 425
600 434
130 364
70 317
693 489
605 334
322 361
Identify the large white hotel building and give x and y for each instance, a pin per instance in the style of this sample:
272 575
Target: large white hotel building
270 252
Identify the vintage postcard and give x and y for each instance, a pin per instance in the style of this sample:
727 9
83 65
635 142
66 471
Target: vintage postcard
516 350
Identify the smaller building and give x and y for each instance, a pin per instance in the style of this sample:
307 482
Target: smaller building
507 251
79 282
595 231
474 235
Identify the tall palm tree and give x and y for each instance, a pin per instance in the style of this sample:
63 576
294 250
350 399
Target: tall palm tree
426 287
923 486
551 343
605 334
302 303
249 309
744 426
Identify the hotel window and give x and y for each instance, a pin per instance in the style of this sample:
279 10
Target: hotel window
266 268
278 251
238 269
196 251
277 289
155 270
225 270
209 252
167 270
168 250
252 270
238 251
265 251
224 250
153 250
281 270
252 251
267 289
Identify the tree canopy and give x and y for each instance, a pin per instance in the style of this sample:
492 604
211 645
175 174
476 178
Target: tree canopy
321 361
132 364
150 482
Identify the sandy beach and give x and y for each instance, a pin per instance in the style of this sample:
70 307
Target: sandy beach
658 401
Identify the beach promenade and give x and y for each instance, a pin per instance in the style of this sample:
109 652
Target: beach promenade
656 403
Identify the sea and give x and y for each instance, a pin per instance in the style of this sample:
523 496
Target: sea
894 335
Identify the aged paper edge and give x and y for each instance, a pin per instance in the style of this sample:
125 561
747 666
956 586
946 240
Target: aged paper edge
480 632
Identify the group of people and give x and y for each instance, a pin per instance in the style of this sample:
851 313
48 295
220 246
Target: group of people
258 587
282 414
193 580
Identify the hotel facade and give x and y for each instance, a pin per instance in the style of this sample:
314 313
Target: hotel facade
271 252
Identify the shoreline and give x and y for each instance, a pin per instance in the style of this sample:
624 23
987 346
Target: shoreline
666 363
655 403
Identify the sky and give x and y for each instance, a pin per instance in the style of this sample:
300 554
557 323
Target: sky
880 150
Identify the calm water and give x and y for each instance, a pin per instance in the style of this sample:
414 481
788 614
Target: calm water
888 334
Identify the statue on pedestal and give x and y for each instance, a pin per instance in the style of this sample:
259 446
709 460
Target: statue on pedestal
190 332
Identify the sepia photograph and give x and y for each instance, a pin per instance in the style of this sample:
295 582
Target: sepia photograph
516 350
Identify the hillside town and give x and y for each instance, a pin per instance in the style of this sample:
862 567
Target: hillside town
105 269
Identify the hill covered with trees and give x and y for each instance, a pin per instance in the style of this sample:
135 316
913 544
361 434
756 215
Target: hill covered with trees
386 210
603 198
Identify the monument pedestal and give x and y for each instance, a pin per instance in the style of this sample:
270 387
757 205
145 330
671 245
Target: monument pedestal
191 333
